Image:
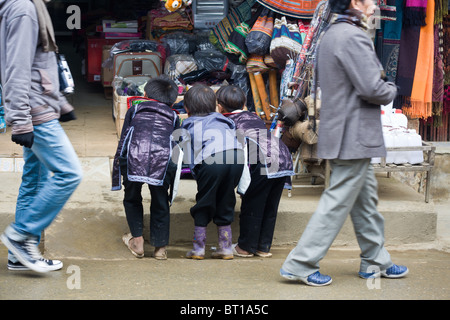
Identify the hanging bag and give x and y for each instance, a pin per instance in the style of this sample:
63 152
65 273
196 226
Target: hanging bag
286 41
259 38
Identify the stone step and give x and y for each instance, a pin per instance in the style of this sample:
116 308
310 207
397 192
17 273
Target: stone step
93 221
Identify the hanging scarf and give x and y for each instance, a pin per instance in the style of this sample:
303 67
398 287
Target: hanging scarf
441 10
46 32
438 76
421 94
446 48
388 9
407 58
388 42
415 12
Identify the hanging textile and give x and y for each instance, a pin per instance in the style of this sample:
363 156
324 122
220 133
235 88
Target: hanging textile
388 41
441 10
446 106
409 43
438 76
236 41
415 12
300 9
388 9
220 33
421 93
446 48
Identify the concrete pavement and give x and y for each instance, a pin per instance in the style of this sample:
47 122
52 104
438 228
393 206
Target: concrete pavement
240 279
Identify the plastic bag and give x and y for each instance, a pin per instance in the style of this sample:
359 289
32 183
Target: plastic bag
133 46
179 64
211 60
179 43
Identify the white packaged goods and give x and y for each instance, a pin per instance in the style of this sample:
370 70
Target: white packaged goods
396 134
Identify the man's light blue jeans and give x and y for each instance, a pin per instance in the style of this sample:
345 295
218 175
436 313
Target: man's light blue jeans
51 173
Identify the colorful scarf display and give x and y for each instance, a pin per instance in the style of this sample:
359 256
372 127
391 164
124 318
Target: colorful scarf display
421 93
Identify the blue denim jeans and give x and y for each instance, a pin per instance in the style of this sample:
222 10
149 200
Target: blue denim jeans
51 173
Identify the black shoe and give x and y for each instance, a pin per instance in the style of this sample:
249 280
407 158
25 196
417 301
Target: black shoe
27 252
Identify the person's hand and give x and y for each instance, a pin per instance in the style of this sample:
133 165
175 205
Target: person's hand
67 117
24 139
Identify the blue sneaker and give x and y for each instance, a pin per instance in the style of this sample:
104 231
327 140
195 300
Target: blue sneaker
395 271
18 266
27 253
392 272
316 279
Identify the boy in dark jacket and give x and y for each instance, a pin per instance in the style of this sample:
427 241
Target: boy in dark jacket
144 156
270 164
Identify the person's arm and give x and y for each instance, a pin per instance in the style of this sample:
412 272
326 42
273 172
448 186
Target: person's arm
363 69
21 43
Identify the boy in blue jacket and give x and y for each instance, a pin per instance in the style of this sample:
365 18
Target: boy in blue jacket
216 161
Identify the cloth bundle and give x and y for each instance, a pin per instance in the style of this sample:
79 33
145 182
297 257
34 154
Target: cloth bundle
179 64
260 36
221 32
286 41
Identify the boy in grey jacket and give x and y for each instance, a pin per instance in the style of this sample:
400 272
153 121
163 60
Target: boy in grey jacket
33 108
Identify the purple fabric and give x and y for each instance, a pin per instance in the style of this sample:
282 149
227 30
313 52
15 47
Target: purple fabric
254 129
145 143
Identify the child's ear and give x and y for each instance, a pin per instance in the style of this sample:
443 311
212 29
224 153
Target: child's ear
187 111
145 95
220 108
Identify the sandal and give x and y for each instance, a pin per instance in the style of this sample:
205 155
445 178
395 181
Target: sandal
263 254
242 255
160 253
126 239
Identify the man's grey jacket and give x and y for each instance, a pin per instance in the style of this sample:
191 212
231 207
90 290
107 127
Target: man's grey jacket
349 74
29 75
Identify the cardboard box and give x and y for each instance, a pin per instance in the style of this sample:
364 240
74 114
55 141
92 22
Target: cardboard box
120 110
107 75
94 48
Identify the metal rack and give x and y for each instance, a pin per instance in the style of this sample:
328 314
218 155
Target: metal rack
322 168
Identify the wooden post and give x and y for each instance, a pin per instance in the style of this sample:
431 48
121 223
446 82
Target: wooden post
256 98
263 94
273 89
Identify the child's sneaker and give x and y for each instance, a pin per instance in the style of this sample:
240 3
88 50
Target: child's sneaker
27 252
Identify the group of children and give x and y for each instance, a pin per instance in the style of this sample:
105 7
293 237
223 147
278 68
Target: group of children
226 151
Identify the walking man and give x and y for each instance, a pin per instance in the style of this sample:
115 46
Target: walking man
34 108
350 134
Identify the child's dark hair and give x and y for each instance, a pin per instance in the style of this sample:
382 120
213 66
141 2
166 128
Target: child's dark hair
163 89
200 100
231 98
